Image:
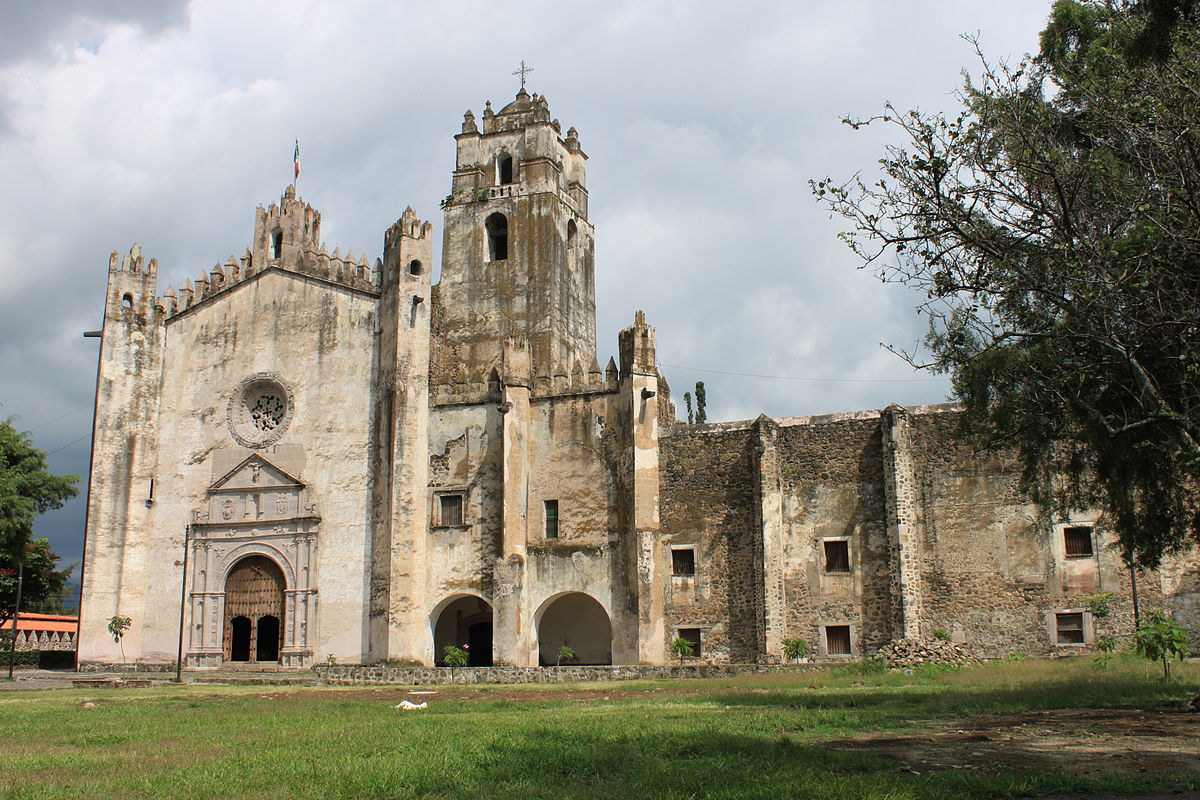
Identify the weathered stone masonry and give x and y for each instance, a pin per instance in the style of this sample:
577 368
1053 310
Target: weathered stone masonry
362 466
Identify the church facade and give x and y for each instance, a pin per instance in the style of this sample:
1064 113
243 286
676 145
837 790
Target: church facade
304 457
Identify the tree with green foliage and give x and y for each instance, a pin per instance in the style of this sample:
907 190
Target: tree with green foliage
1049 228
1161 639
117 626
687 401
27 488
701 404
454 657
565 653
682 648
42 583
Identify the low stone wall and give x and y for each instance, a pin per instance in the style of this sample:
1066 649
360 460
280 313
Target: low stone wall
352 674
132 666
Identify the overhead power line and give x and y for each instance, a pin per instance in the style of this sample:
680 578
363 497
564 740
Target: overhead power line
68 444
800 378
56 419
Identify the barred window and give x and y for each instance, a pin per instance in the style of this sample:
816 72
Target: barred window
1078 541
837 555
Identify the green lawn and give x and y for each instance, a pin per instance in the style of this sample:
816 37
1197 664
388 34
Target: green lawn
756 737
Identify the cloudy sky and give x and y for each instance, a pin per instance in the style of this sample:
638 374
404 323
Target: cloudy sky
166 122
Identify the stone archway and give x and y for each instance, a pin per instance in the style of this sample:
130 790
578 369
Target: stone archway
254 607
578 621
463 620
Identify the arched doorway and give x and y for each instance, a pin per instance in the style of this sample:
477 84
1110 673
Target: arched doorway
253 610
576 620
464 620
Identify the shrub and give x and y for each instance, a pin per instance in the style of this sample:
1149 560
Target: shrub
795 648
1161 639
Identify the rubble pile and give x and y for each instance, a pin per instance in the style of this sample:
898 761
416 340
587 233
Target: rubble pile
904 653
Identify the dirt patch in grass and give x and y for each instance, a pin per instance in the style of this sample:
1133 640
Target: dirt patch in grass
489 695
1084 741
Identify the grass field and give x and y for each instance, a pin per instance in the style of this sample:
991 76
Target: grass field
849 733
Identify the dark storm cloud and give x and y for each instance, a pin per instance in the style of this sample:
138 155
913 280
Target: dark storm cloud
34 27
173 121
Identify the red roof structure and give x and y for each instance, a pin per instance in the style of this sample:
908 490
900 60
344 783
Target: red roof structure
51 623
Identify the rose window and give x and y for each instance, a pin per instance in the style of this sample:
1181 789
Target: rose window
267 412
260 410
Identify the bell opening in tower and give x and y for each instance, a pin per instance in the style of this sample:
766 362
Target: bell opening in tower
497 237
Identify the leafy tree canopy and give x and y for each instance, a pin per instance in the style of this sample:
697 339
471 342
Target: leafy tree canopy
28 488
1051 226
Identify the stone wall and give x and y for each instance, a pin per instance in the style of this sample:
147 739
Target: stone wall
708 495
348 675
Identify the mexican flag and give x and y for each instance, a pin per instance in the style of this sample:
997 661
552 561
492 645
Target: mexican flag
296 159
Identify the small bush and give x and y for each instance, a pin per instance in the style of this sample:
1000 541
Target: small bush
941 635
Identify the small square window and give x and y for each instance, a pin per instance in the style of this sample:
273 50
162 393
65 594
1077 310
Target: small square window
683 561
551 507
837 555
450 509
1069 627
693 636
1078 541
837 640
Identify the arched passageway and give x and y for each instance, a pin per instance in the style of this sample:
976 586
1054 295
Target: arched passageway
254 610
579 622
465 620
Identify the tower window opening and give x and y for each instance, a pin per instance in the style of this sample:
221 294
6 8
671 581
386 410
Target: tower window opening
497 237
504 169
276 244
572 229
551 509
414 267
127 300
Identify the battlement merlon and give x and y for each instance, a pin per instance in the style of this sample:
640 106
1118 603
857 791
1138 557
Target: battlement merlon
407 249
636 346
284 230
132 285
519 146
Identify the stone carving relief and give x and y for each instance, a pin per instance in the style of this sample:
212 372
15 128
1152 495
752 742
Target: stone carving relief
260 410
251 510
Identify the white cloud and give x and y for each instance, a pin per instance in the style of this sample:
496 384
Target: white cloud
168 123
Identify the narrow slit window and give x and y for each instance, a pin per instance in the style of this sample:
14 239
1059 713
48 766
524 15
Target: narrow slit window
451 511
276 244
837 640
1078 541
497 237
505 169
551 507
683 562
837 555
1069 628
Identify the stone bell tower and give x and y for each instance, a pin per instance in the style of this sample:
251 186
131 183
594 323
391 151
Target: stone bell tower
517 257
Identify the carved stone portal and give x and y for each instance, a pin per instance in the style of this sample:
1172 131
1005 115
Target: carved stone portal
255 511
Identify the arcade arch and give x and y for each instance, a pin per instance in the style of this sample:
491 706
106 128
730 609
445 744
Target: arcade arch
578 621
464 619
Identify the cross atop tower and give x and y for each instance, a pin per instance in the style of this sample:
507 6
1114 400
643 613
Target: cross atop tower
522 72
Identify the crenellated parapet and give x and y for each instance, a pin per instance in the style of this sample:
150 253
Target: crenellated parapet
287 238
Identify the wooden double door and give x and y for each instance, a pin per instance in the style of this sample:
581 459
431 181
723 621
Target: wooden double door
254 609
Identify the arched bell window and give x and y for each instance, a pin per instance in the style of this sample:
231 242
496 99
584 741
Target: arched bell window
504 169
497 237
